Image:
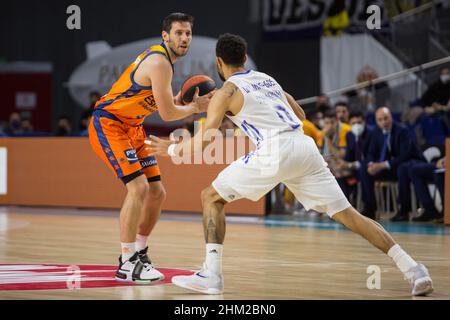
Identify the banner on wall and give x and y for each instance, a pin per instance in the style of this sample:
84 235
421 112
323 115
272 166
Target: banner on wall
329 17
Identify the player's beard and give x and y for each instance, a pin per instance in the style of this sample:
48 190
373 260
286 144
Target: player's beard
173 49
220 73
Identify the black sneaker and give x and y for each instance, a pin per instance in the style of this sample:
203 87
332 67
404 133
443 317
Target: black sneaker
400 217
143 256
427 216
133 270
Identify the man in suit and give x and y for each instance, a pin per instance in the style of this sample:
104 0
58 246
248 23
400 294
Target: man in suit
358 141
422 173
389 156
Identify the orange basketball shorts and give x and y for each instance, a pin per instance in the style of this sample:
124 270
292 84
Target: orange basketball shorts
122 148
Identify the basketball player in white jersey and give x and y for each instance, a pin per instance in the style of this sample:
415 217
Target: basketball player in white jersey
272 119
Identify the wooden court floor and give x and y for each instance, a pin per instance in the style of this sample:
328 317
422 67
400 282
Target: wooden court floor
260 261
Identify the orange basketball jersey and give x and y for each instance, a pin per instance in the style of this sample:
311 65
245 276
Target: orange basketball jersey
127 100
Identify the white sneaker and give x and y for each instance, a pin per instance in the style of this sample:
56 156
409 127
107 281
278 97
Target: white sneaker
203 281
143 256
133 270
420 280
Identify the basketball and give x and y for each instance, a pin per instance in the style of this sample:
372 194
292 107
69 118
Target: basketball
204 83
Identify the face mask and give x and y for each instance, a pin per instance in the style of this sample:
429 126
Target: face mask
445 78
357 129
321 123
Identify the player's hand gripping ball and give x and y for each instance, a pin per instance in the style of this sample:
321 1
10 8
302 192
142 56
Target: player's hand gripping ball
204 83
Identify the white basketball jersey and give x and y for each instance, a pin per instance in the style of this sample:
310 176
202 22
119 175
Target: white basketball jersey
266 111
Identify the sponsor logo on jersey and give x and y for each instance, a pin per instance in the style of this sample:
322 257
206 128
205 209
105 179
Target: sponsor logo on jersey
148 162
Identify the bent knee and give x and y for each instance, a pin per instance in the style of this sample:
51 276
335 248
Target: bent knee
210 194
138 188
156 192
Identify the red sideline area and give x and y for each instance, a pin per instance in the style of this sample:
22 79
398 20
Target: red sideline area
67 277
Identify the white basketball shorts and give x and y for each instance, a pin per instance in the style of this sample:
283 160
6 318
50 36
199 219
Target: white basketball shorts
291 158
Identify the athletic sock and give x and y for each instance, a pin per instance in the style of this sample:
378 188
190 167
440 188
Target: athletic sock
403 261
141 242
214 257
128 250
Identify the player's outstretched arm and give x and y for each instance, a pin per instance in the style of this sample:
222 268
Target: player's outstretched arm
299 112
217 108
160 74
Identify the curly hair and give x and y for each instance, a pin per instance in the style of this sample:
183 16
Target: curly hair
232 49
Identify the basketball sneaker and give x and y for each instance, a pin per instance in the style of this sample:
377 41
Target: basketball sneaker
204 281
143 256
420 280
133 270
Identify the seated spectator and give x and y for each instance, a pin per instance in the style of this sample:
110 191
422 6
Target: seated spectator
64 128
342 113
364 99
432 127
14 125
2 129
94 96
322 104
358 141
333 143
311 130
84 122
27 126
438 93
421 174
316 118
391 152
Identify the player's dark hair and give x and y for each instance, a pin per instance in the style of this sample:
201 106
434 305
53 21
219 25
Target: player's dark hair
330 114
232 49
356 114
176 17
341 103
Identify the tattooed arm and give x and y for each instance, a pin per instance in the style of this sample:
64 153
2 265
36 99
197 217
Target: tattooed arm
218 106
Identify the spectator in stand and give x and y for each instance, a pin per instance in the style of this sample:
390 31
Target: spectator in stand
323 103
438 94
342 113
27 126
14 125
364 99
94 96
316 118
84 122
421 174
358 141
432 127
390 154
64 127
2 129
311 130
333 143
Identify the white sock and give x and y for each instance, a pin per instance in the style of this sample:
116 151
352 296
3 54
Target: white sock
403 261
128 249
214 257
141 242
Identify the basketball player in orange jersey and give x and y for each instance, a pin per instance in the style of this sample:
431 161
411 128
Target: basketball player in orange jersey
272 119
117 135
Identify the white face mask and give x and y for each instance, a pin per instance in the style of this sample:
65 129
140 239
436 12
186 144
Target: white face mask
445 78
321 123
357 129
